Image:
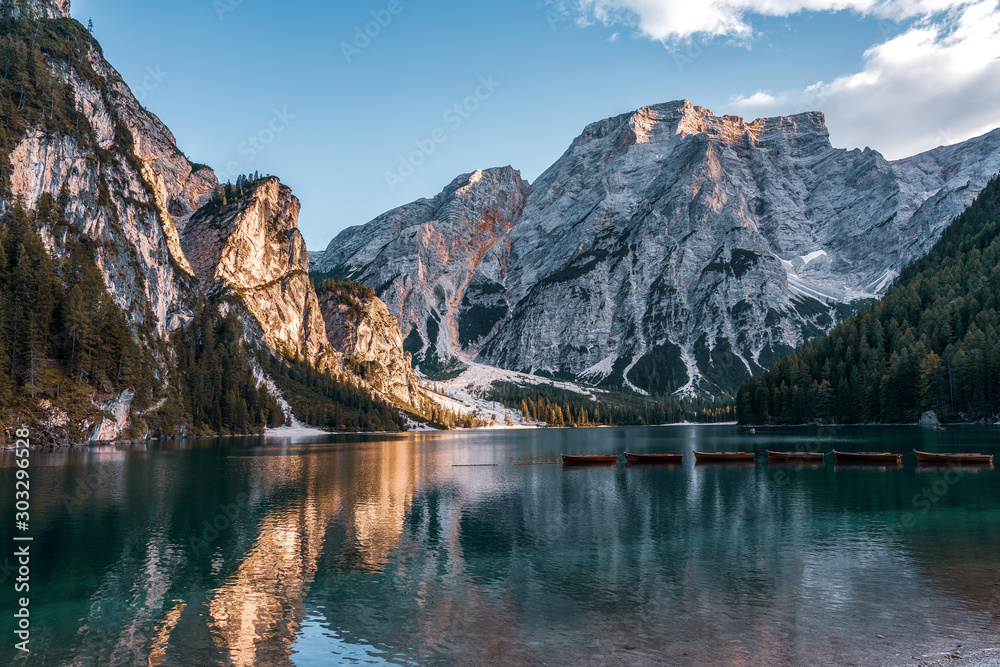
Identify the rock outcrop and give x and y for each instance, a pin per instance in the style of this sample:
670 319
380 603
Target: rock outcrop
360 327
668 248
50 9
116 417
252 250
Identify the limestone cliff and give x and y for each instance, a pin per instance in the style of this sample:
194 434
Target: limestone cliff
251 249
161 234
50 9
359 326
121 173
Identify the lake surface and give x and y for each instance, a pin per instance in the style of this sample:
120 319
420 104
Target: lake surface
382 550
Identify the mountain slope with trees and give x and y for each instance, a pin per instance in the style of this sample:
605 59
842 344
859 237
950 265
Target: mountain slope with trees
138 295
931 344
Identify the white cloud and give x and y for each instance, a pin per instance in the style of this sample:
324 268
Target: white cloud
679 20
759 100
937 83
614 37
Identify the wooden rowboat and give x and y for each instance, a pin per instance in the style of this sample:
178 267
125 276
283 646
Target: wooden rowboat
795 456
984 459
868 457
720 457
589 460
654 458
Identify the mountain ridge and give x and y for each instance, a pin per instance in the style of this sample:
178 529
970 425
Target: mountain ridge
707 241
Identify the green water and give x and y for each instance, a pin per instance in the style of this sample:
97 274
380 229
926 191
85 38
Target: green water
382 550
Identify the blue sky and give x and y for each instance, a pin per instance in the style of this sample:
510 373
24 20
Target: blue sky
899 75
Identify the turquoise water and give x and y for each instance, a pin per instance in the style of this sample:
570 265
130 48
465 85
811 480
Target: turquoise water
383 550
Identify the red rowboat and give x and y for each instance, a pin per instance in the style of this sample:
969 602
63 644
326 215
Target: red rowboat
924 457
654 458
795 456
868 457
589 460
717 457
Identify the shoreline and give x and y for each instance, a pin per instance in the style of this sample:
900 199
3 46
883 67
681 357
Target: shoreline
303 431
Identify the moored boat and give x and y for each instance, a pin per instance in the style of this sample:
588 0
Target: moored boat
719 457
654 458
926 457
589 460
795 456
867 457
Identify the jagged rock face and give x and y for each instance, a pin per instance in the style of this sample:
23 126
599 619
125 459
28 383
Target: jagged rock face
253 250
434 261
118 409
50 9
363 330
672 248
119 196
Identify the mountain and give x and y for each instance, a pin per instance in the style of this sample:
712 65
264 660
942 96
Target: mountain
930 344
251 251
667 250
432 264
139 295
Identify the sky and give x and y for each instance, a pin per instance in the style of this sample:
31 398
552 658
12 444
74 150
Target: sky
364 105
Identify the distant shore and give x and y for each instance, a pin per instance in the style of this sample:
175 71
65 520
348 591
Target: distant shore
300 430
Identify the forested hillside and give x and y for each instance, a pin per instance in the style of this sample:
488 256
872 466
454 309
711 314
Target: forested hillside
930 344
560 407
65 344
60 331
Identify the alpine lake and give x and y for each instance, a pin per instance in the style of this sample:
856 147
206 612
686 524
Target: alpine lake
475 547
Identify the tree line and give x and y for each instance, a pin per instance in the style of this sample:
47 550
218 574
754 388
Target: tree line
931 344
323 400
557 407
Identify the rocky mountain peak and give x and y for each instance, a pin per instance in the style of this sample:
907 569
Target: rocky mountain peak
668 247
251 248
663 124
484 182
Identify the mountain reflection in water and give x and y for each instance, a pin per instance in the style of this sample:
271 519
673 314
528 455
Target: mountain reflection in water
378 549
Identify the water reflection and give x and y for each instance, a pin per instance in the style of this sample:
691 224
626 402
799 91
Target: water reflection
376 550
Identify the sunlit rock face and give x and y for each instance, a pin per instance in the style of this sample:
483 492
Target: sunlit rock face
252 249
430 260
668 248
128 188
363 330
50 9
